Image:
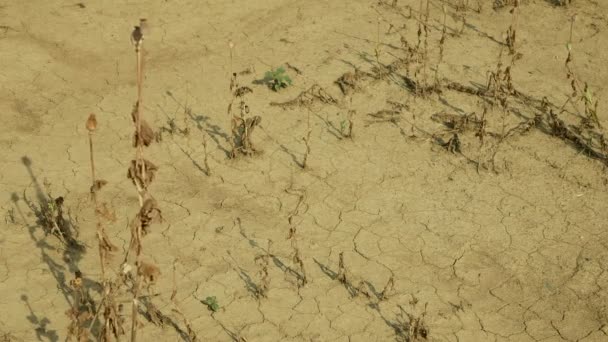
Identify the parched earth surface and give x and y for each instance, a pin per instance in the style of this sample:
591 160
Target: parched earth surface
403 232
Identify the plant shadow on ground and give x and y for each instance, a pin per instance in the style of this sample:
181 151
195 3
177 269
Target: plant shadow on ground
277 262
153 315
542 111
407 327
250 284
291 154
204 125
50 220
41 324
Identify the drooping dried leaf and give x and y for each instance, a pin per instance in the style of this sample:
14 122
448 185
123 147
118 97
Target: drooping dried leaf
348 81
147 134
242 91
99 183
104 241
136 176
148 214
134 112
113 320
136 233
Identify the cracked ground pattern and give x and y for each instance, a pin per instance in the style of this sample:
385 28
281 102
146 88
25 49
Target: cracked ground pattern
517 255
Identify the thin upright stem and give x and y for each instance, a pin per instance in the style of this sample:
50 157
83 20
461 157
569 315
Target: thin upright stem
140 142
571 28
141 188
92 163
94 195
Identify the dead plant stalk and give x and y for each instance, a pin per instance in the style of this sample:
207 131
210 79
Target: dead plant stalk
307 141
139 177
91 126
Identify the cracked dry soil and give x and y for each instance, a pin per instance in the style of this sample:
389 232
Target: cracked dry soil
399 238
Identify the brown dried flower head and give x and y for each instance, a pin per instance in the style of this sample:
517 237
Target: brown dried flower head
91 123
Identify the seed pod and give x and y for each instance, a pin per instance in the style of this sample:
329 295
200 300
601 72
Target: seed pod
91 123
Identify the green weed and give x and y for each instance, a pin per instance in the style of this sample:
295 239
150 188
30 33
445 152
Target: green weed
277 79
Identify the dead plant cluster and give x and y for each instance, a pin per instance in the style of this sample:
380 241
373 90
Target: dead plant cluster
105 318
242 124
499 92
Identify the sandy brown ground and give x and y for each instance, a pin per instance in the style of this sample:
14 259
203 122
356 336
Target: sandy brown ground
520 254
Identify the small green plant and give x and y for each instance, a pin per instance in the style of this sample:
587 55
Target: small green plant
211 303
277 79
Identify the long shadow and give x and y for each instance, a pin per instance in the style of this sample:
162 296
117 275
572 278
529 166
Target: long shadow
49 215
483 34
194 162
276 261
331 127
41 323
451 106
570 134
291 154
403 325
251 286
153 315
204 124
174 129
352 290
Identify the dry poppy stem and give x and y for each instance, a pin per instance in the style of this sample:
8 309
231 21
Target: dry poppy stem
140 142
91 125
138 37
231 46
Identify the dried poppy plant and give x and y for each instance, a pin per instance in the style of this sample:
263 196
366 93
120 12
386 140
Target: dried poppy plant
141 172
107 305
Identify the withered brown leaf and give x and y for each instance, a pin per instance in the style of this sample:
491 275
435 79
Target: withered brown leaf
134 173
97 185
134 112
147 134
242 91
104 240
147 215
